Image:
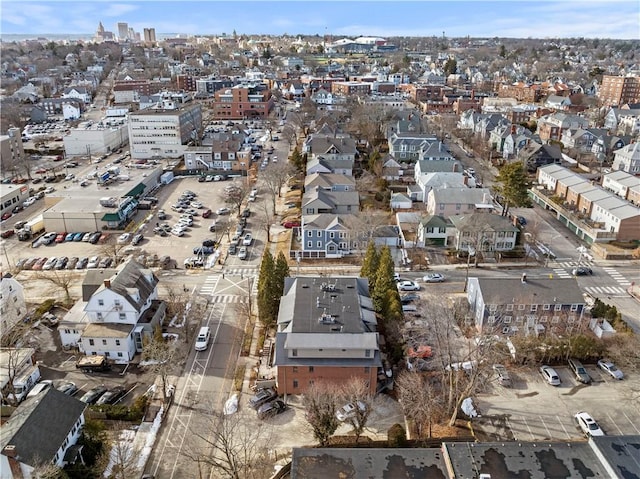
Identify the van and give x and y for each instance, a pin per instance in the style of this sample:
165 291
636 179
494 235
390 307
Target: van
579 371
38 388
202 341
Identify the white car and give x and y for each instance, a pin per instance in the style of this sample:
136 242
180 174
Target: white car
433 278
242 253
124 238
246 241
223 211
29 201
408 286
587 424
180 226
610 368
348 411
550 375
196 204
93 262
185 221
69 177
177 232
51 262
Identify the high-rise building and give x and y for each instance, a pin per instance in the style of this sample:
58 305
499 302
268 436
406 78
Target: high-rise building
123 31
149 35
618 90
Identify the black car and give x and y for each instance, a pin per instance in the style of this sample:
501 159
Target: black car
246 213
209 243
233 248
93 394
202 179
582 271
203 250
262 396
407 298
112 395
271 409
93 239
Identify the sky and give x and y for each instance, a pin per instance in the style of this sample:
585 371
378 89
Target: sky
618 19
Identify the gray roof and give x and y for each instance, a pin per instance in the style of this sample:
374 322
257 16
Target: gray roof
434 166
491 221
623 178
328 180
435 221
332 198
535 291
462 195
620 453
324 144
369 463
625 211
324 221
39 426
132 276
541 460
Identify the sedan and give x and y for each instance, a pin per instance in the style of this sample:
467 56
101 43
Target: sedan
48 238
60 237
93 237
86 238
610 368
408 298
29 201
203 250
291 224
271 409
137 239
61 263
433 278
223 211
77 237
177 232
105 262
93 263
111 396
6 216
124 238
30 263
247 239
408 286
588 425
348 411
73 261
82 263
261 397
242 253
196 204
550 375
206 213
67 387
582 271
50 264
69 237
93 394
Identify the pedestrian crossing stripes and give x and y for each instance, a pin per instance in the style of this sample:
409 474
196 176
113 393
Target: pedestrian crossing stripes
241 271
609 290
229 299
561 273
572 264
620 279
209 285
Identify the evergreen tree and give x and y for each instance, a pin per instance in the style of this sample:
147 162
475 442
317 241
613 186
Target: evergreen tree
282 271
370 264
512 183
266 283
384 280
297 159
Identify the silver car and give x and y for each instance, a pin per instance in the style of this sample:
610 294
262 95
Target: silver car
610 368
550 375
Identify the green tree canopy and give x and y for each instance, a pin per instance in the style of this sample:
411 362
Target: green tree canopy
370 264
266 290
384 281
451 67
512 183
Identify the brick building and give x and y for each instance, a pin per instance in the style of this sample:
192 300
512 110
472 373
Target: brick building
347 88
241 102
619 90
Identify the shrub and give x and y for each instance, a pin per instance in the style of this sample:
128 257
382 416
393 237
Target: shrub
44 308
396 436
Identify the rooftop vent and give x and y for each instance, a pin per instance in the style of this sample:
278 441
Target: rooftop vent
326 319
350 286
305 285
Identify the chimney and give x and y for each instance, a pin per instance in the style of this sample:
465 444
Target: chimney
107 283
465 180
9 450
514 128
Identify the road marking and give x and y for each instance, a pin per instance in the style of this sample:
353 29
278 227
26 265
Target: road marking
524 419
511 428
633 424
563 428
614 424
547 429
229 298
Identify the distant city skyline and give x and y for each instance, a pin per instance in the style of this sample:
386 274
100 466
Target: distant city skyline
619 19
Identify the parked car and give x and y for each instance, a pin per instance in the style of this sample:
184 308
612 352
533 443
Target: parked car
60 237
433 278
502 375
49 238
408 298
233 248
245 213
206 213
94 261
582 271
242 254
196 204
82 263
177 232
610 368
73 261
77 237
112 395
50 264
124 238
61 263
105 262
261 397
291 224
550 375
91 396
69 237
247 240
223 211
162 215
94 237
209 242
66 387
587 424
29 201
579 371
271 409
348 411
137 239
7 233
203 250
408 286
86 238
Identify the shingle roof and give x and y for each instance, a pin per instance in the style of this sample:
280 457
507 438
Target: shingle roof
125 279
534 291
39 426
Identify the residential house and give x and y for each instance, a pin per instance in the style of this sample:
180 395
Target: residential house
582 139
551 127
499 135
325 147
516 142
424 167
434 151
434 230
12 305
400 201
439 180
485 232
323 165
79 92
406 147
327 331
624 121
535 155
624 185
42 430
487 123
627 159
458 201
557 102
325 99
319 200
326 235
229 152
608 144
119 308
393 170
329 181
526 306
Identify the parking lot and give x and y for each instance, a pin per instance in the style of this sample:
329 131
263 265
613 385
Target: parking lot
532 410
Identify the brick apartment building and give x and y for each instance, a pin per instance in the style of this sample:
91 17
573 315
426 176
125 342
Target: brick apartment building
521 92
327 331
127 91
347 88
241 102
618 90
186 82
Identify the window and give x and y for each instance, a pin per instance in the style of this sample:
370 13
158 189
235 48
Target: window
101 302
117 342
509 307
122 316
91 342
295 383
544 319
521 307
319 234
507 319
546 307
116 302
119 355
309 233
493 307
367 353
534 307
557 307
574 307
310 369
294 352
555 319
491 319
295 369
319 244
99 315
309 244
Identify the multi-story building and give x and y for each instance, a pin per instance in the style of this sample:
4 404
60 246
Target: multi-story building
208 86
628 159
241 102
618 90
327 331
165 132
149 35
347 88
552 127
186 82
11 150
12 304
521 92
123 31
130 90
12 196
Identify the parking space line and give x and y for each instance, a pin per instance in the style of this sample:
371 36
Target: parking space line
511 428
563 428
549 436
633 424
529 429
614 424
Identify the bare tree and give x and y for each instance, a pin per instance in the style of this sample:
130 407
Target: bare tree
235 193
124 457
162 356
233 446
273 179
63 280
113 250
356 392
320 401
289 133
265 219
364 224
420 400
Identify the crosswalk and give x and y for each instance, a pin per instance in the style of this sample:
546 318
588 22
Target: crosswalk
562 273
621 280
210 284
617 291
229 299
241 271
572 264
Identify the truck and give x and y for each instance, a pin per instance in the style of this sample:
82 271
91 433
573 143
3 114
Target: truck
23 381
90 364
109 202
32 228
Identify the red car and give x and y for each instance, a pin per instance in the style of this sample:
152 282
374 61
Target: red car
39 264
291 224
60 238
7 215
206 213
7 233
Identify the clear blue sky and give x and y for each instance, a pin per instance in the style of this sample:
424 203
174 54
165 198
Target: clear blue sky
507 18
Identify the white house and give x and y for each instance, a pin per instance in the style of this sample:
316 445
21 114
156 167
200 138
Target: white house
79 92
12 304
484 231
400 201
628 159
70 111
